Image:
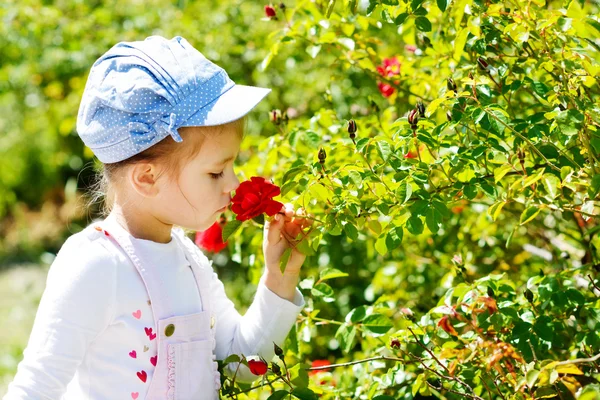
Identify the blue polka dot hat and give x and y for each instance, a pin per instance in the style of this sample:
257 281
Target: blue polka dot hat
138 93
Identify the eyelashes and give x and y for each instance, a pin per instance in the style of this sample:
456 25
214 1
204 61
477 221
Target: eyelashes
216 176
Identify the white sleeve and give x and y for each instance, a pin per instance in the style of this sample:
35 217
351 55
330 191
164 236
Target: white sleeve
268 320
77 305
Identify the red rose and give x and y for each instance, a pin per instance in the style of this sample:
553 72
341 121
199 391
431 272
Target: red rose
258 367
389 67
255 197
270 11
212 238
385 89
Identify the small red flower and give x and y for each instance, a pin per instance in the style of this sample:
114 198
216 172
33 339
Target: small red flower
258 367
212 238
319 363
385 89
389 67
410 154
270 11
395 343
255 197
446 325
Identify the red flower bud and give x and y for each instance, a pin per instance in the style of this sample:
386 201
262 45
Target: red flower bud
395 343
413 118
483 64
258 367
275 116
322 156
270 11
451 85
351 126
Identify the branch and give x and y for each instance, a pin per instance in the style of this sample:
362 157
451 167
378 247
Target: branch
579 360
593 284
443 366
355 362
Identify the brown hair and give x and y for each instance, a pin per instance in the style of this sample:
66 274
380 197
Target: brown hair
168 153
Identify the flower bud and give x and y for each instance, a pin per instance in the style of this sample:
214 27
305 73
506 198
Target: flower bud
322 156
421 108
275 116
351 126
529 295
413 118
278 350
451 85
483 64
270 11
258 367
395 343
282 6
408 313
275 368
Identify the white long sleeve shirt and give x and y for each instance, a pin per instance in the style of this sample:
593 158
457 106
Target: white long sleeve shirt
90 334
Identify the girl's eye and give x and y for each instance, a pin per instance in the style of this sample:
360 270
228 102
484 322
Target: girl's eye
216 176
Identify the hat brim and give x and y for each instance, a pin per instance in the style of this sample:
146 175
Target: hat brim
230 106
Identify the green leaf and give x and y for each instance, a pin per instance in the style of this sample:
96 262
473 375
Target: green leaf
377 323
304 393
293 172
414 225
299 375
423 24
532 377
278 395
356 178
495 209
380 245
324 291
346 335
443 4
404 191
393 238
543 329
459 42
399 20
433 219
233 358
287 187
530 180
351 230
331 273
285 257
529 214
230 228
384 149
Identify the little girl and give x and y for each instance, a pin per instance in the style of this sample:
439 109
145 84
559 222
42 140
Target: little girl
132 309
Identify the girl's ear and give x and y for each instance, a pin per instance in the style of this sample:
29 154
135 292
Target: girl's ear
143 178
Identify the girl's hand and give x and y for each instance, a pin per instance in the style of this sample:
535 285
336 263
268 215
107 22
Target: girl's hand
280 233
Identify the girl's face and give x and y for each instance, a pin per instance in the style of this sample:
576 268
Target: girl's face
197 197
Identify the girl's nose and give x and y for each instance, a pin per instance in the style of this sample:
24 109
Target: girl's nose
234 182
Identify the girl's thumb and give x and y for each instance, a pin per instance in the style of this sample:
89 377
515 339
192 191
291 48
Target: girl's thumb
275 226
